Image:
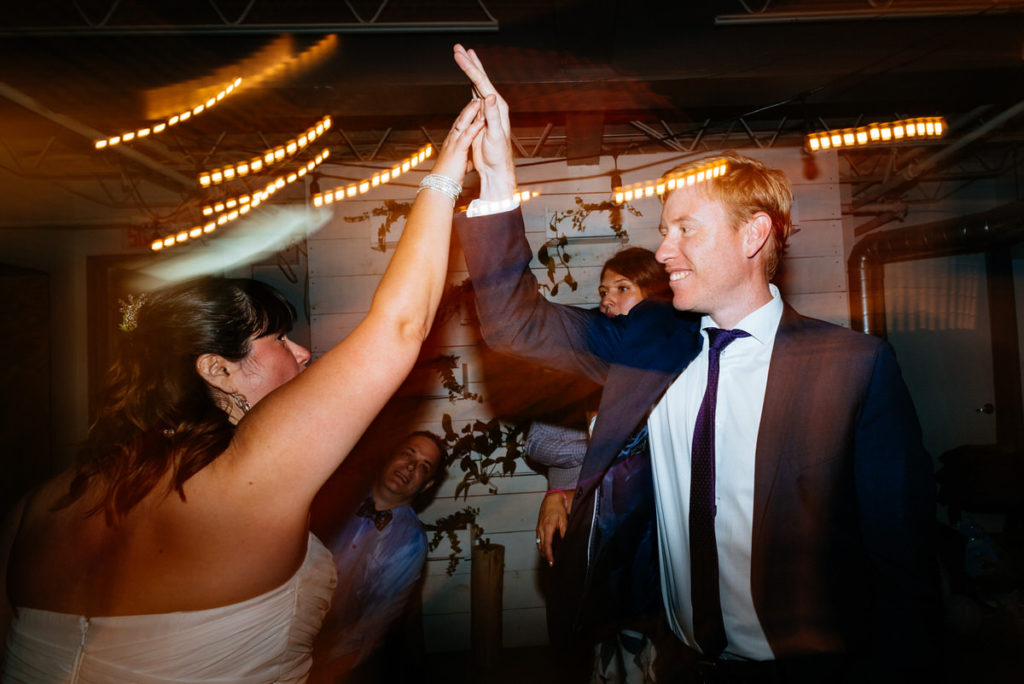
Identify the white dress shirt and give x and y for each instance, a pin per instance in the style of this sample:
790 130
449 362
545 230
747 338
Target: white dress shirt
741 390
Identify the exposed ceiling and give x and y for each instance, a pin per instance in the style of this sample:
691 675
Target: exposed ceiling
582 79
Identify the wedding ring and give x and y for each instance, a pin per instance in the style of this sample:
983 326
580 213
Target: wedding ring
538 540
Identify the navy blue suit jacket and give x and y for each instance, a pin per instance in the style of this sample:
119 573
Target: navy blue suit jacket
842 553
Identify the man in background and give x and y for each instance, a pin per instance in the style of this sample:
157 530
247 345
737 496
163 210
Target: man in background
380 554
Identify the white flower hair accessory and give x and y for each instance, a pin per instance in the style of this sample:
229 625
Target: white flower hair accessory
130 312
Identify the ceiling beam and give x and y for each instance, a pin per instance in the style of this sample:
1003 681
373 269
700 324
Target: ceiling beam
181 182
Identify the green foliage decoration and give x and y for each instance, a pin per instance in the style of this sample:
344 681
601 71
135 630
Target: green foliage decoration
483 451
447 526
553 254
445 366
392 211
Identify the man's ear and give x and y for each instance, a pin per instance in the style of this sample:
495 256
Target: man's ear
756 232
216 371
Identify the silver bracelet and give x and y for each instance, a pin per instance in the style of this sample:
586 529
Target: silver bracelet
442 184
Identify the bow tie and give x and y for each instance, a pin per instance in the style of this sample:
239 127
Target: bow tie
380 518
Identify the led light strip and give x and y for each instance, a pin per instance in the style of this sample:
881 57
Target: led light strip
896 131
128 136
268 158
239 206
363 186
234 202
692 176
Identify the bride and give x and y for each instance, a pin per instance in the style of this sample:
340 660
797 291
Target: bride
179 550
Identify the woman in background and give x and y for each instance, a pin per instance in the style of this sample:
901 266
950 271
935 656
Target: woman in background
179 550
627 279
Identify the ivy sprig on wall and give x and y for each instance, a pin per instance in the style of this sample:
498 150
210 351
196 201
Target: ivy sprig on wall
483 451
445 366
447 526
392 211
553 253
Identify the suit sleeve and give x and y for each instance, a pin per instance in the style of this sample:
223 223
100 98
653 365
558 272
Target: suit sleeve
896 494
514 317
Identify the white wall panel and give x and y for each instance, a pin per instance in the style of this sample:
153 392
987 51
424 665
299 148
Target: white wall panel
804 275
833 307
816 238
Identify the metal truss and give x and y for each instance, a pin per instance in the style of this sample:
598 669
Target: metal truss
795 11
212 17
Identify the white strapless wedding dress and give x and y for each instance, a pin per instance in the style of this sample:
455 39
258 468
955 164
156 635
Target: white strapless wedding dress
268 638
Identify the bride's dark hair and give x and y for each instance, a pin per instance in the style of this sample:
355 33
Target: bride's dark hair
157 413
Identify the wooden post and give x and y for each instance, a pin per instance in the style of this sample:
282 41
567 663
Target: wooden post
486 584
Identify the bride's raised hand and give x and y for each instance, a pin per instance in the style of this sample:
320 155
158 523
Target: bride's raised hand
453 157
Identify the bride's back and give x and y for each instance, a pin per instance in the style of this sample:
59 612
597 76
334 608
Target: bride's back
164 555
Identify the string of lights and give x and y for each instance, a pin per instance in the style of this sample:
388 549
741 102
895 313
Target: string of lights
156 129
877 133
268 158
239 206
659 186
361 187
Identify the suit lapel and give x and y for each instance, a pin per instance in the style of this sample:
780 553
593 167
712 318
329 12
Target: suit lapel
784 379
629 395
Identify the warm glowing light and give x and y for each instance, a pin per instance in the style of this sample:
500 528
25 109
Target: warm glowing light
363 186
160 127
659 186
925 127
273 186
275 154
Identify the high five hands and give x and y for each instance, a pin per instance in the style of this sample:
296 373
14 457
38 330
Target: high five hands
492 149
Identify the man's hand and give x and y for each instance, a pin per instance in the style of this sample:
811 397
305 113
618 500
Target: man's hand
554 517
492 149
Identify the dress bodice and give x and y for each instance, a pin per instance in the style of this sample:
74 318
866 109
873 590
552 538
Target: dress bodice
267 638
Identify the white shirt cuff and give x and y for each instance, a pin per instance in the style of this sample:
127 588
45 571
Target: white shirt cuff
479 207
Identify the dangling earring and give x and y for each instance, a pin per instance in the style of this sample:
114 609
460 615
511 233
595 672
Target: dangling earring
241 402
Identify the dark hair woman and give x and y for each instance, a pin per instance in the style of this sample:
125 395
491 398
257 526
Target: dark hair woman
179 550
632 276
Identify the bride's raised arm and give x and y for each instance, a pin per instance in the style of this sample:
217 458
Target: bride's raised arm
293 439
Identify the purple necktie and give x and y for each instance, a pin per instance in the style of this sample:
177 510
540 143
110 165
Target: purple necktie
707 607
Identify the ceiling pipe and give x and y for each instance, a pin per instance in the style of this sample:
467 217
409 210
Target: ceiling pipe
180 181
963 235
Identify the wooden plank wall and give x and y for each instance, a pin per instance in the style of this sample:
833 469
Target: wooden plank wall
345 265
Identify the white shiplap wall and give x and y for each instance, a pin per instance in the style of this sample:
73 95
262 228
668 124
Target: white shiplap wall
344 270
